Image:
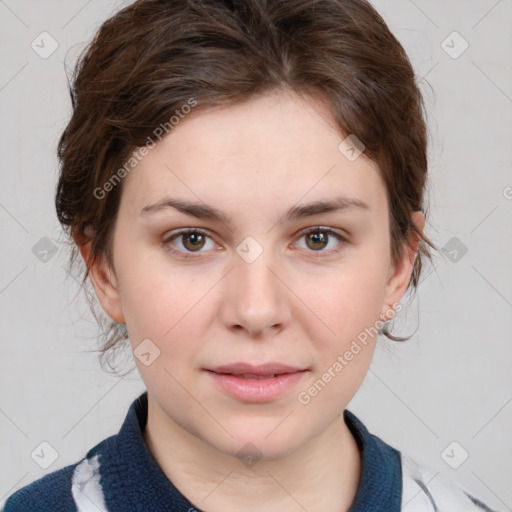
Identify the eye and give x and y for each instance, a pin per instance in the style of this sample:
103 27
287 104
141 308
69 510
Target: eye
318 237
191 241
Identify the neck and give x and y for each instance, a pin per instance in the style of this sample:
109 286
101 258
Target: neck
322 475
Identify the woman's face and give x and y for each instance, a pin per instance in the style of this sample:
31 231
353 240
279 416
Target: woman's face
262 280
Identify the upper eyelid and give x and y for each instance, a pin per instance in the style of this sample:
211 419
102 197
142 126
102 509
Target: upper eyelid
322 228
177 233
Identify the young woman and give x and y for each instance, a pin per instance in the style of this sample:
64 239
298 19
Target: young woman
245 182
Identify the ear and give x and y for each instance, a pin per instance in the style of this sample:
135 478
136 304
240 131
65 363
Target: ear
105 283
401 271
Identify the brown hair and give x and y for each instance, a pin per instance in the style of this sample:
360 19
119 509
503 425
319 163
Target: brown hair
148 60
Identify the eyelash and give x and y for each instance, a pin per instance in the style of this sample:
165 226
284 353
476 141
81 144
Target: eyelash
320 254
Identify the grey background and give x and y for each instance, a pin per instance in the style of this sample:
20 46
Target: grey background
451 382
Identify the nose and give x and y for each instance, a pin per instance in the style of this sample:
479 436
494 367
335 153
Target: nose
255 296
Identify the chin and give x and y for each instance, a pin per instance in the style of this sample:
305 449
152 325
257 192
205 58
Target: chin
266 440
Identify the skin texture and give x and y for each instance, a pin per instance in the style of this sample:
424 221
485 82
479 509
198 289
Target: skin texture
253 161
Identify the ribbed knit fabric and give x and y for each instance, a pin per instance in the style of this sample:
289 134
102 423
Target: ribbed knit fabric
380 488
132 481
52 492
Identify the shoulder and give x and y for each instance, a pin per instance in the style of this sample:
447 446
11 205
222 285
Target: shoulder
51 492
69 489
425 490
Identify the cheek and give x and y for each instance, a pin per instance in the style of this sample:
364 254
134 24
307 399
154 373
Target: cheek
344 334
345 303
168 314
162 306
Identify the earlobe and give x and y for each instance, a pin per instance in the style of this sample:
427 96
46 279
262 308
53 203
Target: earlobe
105 283
401 271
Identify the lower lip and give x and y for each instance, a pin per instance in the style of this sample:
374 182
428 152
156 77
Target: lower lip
256 390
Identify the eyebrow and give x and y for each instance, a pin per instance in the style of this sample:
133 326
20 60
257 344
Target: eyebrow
205 211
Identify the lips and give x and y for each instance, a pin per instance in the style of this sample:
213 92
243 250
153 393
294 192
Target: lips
246 370
262 383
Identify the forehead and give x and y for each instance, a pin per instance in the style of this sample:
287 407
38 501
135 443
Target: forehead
270 150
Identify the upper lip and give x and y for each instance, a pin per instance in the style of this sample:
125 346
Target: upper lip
241 368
